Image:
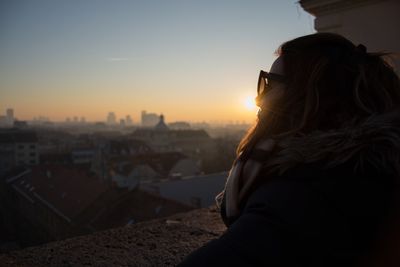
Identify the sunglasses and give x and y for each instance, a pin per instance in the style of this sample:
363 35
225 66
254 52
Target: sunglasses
263 79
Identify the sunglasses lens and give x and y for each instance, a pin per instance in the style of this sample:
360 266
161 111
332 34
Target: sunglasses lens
262 84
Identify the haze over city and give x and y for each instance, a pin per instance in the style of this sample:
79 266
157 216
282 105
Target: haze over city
190 60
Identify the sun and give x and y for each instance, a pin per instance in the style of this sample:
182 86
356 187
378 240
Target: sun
250 103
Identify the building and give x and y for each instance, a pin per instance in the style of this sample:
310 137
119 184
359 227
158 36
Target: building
126 162
130 170
115 148
190 142
7 120
50 197
128 120
149 119
83 155
196 191
111 118
53 202
20 124
18 147
179 125
161 126
373 23
41 120
161 139
3 121
10 116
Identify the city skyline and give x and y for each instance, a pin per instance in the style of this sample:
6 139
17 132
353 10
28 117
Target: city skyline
194 61
7 120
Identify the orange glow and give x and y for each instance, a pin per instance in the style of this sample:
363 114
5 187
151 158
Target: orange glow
249 103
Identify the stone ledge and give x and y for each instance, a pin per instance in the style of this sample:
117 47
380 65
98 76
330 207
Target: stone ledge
161 242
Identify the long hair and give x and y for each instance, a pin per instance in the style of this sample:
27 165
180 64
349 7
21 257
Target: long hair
331 83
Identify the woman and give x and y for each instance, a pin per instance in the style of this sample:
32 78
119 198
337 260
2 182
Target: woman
315 180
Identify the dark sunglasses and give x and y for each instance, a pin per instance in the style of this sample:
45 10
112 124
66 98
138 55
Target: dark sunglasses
263 80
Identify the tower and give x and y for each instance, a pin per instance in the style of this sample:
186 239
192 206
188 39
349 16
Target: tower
161 126
111 118
10 116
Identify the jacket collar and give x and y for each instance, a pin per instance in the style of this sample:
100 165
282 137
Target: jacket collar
374 142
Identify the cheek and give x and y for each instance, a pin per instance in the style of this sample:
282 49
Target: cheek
272 96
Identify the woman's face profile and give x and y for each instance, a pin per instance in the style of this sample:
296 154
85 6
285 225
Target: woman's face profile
275 89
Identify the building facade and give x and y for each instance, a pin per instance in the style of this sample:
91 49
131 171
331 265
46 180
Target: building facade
18 148
373 23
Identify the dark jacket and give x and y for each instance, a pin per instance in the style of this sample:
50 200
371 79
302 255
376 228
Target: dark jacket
315 213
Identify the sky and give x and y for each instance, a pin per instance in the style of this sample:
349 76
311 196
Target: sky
190 60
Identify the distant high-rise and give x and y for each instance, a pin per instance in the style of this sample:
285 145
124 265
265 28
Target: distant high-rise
149 119
111 118
10 116
128 120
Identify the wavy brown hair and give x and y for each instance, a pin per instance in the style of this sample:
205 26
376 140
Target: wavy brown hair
331 83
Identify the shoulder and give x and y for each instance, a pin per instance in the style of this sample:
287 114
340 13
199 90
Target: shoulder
310 188
331 205
295 202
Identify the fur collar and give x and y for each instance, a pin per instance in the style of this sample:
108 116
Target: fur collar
375 142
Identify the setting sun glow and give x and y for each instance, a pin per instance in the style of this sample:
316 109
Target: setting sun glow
250 103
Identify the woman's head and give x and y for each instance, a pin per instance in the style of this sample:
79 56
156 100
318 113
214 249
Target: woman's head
271 85
329 83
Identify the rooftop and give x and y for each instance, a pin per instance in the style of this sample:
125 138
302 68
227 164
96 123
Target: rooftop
322 7
160 162
160 242
65 188
17 136
181 134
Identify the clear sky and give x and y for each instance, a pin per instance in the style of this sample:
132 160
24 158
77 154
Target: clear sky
191 60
